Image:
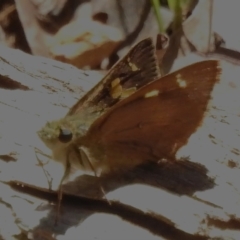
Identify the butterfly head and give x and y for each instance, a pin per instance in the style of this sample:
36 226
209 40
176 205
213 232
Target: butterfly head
60 134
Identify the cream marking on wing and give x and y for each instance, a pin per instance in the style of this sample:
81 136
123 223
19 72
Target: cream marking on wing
181 82
116 88
115 82
132 65
153 93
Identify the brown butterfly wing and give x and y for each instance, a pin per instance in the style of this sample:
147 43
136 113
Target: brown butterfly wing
157 120
135 70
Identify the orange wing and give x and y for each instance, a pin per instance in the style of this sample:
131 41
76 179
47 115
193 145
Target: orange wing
156 121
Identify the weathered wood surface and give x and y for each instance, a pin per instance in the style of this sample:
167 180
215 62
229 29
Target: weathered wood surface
183 200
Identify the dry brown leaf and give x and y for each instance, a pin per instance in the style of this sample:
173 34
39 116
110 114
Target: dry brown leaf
85 43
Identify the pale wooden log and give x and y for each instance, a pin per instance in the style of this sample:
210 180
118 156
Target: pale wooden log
183 200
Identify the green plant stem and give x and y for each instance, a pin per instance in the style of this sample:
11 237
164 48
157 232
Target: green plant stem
156 7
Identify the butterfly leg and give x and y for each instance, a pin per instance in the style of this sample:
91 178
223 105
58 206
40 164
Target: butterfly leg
84 156
41 164
44 154
65 175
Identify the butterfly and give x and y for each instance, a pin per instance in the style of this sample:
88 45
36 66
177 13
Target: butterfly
136 69
139 117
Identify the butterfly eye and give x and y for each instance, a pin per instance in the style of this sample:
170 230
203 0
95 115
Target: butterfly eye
65 135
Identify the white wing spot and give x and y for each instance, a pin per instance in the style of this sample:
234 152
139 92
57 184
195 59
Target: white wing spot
153 93
181 82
